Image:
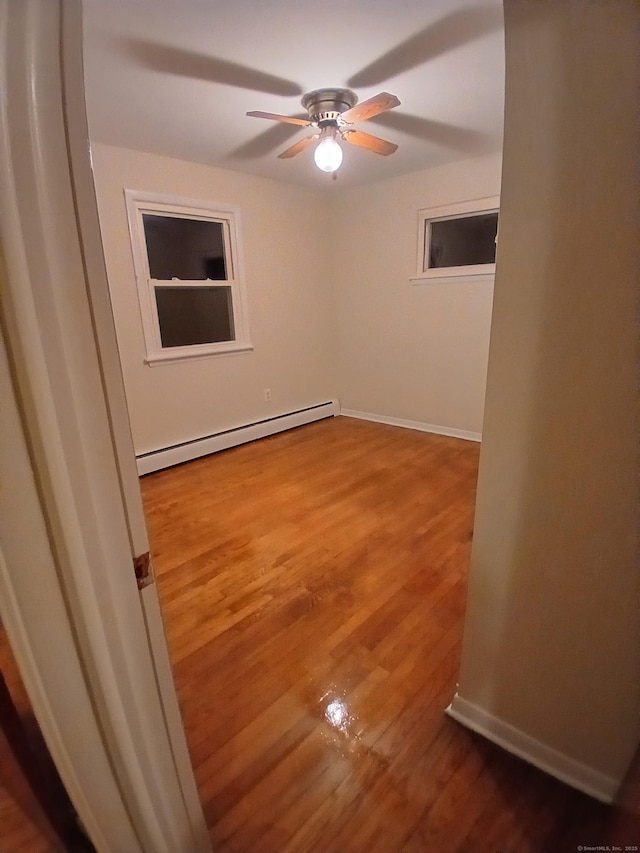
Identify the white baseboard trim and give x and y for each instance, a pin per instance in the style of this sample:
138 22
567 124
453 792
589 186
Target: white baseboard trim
154 460
422 427
544 757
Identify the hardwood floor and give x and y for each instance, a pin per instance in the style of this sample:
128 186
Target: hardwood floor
22 829
313 587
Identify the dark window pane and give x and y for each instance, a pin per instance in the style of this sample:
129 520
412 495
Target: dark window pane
188 249
194 315
464 241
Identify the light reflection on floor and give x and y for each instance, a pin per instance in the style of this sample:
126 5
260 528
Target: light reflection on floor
345 732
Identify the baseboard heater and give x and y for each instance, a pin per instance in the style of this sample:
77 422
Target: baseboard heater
154 460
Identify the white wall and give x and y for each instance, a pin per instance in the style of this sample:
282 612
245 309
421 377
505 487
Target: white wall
414 352
332 312
552 636
284 233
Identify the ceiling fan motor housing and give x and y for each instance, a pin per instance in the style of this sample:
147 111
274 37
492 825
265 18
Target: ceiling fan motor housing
325 105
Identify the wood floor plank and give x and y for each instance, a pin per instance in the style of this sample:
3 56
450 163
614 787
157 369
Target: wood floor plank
313 586
23 825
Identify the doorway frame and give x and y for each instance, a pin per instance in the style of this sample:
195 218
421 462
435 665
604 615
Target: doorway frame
89 644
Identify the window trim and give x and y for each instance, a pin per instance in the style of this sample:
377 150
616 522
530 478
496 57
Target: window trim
458 210
139 202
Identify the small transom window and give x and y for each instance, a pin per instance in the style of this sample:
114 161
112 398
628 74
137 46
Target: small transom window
458 240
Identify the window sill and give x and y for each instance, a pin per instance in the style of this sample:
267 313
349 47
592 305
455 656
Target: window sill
175 357
457 278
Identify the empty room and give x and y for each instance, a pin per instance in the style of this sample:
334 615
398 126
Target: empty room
329 421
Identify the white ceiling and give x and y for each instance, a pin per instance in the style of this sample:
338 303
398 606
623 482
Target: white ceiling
176 77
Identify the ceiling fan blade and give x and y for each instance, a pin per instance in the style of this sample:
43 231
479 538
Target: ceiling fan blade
277 117
297 147
370 108
371 143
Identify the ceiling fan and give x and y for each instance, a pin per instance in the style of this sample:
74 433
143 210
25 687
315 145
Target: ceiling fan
333 112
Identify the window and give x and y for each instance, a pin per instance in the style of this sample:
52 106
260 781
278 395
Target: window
458 240
189 274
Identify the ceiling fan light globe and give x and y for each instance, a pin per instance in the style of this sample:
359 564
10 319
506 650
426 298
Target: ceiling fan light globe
328 155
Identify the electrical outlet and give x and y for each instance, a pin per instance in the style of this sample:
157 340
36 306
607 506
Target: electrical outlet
267 395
